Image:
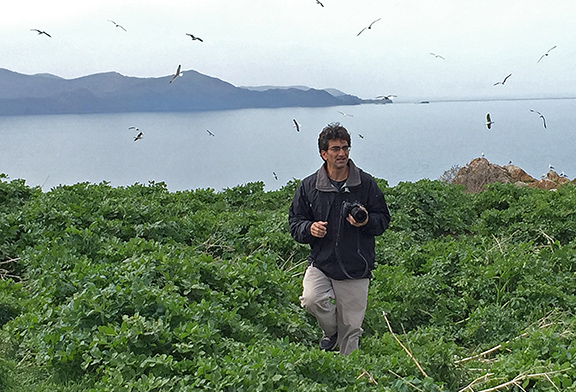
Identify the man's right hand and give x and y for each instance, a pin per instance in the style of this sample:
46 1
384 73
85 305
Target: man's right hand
318 229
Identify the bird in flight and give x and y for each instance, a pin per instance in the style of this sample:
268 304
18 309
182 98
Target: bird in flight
437 56
489 121
386 96
41 32
296 125
194 38
138 137
503 81
541 116
345 114
318 2
275 175
361 136
369 27
546 54
116 24
209 133
178 73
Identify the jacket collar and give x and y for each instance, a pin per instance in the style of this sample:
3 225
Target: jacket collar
323 183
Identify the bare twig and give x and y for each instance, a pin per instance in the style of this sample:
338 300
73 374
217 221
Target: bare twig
4 273
404 347
550 239
365 373
541 325
481 378
406 381
9 261
520 378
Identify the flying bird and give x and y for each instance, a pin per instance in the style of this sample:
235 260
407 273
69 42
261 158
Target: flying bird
361 136
41 32
541 116
437 56
296 125
503 81
345 114
489 121
318 2
138 137
194 38
546 54
116 24
178 73
275 175
369 27
386 96
209 133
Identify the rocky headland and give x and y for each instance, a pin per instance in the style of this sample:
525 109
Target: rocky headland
479 172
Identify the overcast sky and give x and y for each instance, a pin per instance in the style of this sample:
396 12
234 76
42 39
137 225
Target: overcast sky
299 42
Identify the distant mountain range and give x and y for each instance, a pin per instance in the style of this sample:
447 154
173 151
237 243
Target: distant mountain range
112 92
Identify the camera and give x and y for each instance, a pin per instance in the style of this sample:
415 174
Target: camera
354 209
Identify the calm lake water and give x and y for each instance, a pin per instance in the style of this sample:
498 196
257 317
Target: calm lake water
401 142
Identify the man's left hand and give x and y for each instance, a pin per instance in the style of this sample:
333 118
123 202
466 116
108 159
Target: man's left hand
353 222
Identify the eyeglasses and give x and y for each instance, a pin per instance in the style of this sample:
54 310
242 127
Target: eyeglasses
338 148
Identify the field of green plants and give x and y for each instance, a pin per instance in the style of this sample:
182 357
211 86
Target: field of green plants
141 289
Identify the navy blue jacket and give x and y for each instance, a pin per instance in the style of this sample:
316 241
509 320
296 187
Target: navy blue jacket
346 252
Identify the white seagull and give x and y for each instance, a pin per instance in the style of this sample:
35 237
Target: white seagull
209 133
361 136
541 116
503 81
437 56
489 121
345 114
194 38
546 54
275 175
296 125
318 2
178 73
116 24
41 32
369 27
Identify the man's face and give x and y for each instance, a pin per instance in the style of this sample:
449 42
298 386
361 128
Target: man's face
336 156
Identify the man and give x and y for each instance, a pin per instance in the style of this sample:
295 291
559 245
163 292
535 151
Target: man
335 284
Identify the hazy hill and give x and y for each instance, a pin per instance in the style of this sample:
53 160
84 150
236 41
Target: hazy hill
113 92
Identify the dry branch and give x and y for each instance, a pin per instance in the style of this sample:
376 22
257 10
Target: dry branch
365 373
516 380
404 347
498 347
406 381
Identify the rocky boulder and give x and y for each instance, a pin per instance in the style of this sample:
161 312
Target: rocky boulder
479 173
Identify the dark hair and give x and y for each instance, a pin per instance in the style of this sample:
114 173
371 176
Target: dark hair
332 131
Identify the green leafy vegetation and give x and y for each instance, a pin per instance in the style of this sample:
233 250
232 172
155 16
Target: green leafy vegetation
141 289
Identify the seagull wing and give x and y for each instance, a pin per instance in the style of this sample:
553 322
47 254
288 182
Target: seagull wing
554 47
506 78
360 31
373 23
543 121
296 125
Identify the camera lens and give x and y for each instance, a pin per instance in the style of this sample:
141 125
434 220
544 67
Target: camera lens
358 214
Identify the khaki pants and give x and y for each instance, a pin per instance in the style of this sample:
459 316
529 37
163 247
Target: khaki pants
338 305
